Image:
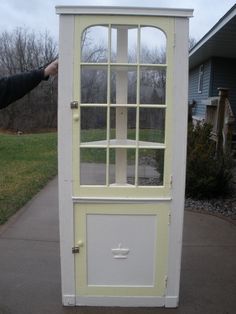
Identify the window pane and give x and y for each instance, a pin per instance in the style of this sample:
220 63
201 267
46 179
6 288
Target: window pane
123 85
92 166
124 37
93 124
153 45
122 166
129 117
152 125
151 167
152 86
94 44
93 85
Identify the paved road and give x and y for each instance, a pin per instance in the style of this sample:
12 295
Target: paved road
30 264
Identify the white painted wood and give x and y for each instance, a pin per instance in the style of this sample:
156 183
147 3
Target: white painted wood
117 10
131 234
117 200
124 230
121 301
69 300
172 301
123 143
65 90
180 88
121 112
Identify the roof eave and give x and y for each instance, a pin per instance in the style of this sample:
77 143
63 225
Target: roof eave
221 23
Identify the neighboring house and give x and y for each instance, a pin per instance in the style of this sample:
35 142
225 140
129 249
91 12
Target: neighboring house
212 64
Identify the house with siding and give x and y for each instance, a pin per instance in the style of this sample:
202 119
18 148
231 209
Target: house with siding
212 65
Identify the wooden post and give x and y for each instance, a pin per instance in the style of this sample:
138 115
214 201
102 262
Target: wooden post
223 94
121 98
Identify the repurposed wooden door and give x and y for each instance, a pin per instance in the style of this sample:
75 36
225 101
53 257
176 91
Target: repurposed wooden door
122 153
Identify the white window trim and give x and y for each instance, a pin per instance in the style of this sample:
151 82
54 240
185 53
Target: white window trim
200 78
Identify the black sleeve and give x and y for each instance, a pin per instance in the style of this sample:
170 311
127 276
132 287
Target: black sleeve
16 86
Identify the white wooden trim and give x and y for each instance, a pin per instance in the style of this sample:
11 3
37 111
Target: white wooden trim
69 300
65 96
115 200
121 112
171 301
168 301
180 109
121 301
117 10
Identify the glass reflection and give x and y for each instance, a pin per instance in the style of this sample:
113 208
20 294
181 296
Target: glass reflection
92 166
151 167
152 86
123 85
152 45
152 125
93 85
94 44
93 122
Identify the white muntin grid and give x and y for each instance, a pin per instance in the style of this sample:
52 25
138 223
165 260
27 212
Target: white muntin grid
121 144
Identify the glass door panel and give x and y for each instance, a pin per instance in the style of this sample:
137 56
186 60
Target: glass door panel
150 167
123 105
93 84
122 173
130 122
94 44
131 33
92 166
152 85
93 124
123 84
152 45
152 125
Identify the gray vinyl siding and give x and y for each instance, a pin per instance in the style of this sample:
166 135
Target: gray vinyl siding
194 95
224 75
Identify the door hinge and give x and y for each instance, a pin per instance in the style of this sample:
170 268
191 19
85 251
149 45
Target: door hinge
74 105
75 249
169 221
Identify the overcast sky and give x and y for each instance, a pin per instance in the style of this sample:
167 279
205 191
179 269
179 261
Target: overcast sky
40 15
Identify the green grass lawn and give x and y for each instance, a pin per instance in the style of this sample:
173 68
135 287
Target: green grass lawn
27 162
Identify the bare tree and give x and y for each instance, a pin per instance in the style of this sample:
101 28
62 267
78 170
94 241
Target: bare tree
191 42
22 50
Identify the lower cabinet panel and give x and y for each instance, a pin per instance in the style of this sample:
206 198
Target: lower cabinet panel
122 249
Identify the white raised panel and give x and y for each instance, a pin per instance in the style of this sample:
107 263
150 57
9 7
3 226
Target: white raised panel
121 250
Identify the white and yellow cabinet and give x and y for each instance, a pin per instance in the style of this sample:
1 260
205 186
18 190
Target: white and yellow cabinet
122 128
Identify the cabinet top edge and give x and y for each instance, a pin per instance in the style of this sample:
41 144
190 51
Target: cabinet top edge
117 10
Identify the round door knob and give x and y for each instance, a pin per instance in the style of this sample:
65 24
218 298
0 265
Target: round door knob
76 117
80 243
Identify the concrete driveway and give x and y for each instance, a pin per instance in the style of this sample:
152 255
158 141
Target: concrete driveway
30 264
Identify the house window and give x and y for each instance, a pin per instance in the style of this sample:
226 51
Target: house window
200 79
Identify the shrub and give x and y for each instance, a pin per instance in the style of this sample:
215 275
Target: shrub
207 176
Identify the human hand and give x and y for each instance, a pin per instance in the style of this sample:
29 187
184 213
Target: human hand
51 69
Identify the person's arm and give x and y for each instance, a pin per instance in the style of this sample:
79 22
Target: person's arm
16 86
